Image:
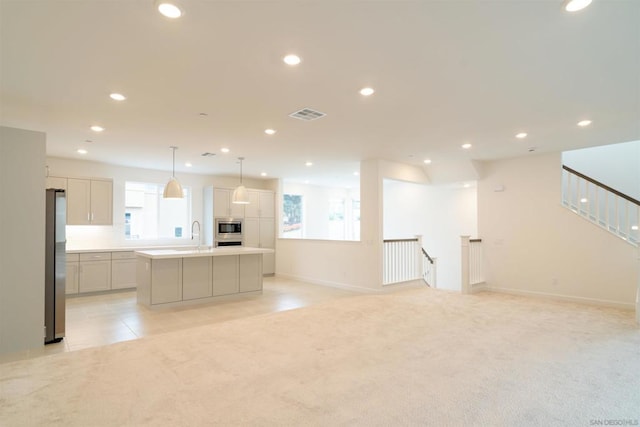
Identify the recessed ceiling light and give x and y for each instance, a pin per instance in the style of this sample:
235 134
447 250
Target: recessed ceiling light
188 164
169 9
263 174
97 128
466 146
634 227
117 97
584 200
356 173
466 185
584 123
292 60
427 161
82 151
269 131
521 135
575 5
225 150
308 164
366 91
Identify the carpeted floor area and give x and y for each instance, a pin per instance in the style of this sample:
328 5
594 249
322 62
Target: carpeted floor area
414 357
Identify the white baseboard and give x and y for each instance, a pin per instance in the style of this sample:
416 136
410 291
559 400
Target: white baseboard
328 283
417 283
479 287
558 297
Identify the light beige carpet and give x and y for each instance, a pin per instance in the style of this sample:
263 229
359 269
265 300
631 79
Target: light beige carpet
416 357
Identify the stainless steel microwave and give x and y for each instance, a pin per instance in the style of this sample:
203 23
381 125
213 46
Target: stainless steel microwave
229 229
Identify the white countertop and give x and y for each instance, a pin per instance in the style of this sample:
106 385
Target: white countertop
191 252
126 249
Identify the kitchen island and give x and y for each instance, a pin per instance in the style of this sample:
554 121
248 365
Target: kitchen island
185 276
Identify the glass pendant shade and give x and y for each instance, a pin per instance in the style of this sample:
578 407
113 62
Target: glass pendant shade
173 189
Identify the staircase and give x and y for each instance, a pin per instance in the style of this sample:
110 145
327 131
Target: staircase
602 205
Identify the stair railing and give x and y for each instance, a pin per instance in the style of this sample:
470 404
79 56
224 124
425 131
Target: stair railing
602 205
428 269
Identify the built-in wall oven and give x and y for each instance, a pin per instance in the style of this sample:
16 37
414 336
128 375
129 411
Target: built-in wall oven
228 232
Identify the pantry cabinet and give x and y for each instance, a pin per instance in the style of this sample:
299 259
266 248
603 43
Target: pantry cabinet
260 226
89 201
261 204
222 206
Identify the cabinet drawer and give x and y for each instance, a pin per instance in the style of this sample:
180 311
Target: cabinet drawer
95 256
73 257
123 255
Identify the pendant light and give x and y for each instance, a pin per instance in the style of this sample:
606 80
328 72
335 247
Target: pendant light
240 195
173 189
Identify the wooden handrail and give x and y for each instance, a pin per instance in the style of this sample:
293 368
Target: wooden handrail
427 255
475 240
399 240
601 185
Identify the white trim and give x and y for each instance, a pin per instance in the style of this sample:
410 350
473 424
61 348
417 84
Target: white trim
558 297
327 283
479 287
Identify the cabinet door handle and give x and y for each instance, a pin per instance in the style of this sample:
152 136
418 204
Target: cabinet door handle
88 217
91 216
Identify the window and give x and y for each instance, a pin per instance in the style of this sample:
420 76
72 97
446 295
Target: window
149 216
336 219
292 216
320 212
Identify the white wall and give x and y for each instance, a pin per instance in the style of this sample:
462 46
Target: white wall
342 263
533 245
113 236
349 264
441 214
22 227
615 165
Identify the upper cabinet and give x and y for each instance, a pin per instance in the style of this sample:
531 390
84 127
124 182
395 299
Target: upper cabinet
89 202
57 182
222 206
261 204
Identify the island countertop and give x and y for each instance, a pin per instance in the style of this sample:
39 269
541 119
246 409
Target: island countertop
191 252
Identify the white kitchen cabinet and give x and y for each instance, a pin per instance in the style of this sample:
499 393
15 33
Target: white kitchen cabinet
196 278
123 270
71 280
225 275
166 276
89 202
260 233
222 206
250 273
261 204
56 182
94 272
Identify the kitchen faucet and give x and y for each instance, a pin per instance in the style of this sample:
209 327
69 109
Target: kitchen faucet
192 225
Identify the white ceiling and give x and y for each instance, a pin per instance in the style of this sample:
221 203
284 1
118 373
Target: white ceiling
445 73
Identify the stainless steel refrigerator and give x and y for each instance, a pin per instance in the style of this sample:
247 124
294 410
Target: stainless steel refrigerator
55 266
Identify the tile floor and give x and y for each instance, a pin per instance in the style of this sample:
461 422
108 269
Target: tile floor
104 319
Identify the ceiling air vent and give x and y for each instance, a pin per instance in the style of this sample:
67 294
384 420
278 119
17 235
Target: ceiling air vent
307 114
207 154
